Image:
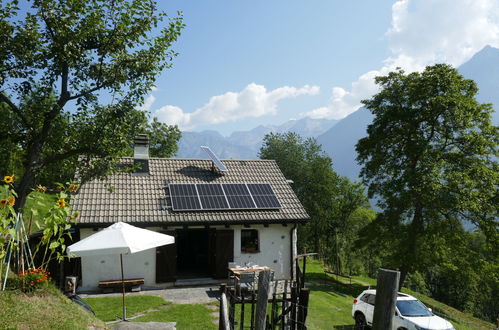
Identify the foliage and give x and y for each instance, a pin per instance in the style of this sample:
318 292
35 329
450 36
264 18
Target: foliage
56 219
314 181
34 279
162 139
429 160
72 76
7 215
44 309
337 207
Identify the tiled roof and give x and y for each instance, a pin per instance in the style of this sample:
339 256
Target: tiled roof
142 198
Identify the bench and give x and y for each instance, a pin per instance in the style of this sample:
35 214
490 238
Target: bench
131 284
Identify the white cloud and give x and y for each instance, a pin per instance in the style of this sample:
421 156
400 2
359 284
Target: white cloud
423 33
148 102
253 101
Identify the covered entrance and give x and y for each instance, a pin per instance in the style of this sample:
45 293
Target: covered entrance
197 253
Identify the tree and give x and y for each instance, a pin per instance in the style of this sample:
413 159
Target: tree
162 139
429 160
72 74
314 181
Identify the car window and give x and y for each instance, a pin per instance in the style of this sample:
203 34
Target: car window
364 297
412 308
371 299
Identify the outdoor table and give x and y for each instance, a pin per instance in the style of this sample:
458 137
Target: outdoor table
237 271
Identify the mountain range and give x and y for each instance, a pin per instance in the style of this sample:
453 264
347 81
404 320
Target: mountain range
338 138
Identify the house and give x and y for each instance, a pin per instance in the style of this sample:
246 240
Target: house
246 214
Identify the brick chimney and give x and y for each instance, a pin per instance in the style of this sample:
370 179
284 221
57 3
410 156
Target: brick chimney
141 154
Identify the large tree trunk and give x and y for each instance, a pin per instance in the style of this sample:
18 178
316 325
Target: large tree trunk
414 232
31 166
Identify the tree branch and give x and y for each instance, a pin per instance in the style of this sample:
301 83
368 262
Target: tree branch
14 108
88 91
70 153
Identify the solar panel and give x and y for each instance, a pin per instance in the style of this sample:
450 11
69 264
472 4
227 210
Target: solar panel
212 197
238 196
264 196
218 163
184 197
226 196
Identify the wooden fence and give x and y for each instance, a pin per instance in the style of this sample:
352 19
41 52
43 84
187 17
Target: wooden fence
275 305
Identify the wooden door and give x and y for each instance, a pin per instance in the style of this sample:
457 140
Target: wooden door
224 252
166 260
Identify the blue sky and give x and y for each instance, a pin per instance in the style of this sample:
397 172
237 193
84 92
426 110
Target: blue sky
246 63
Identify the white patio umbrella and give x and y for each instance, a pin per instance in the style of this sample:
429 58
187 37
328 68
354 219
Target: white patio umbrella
119 238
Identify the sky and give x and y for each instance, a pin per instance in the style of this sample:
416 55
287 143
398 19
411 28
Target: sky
247 63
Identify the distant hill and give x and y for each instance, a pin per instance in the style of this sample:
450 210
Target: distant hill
339 141
246 144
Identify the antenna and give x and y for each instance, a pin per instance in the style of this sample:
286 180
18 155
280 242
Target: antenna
216 162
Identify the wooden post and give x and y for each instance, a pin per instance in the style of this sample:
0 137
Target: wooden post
123 287
252 323
294 301
304 271
223 291
242 313
262 299
386 297
283 309
303 308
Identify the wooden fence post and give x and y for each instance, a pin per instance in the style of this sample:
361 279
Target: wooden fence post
223 319
262 299
294 303
386 296
303 308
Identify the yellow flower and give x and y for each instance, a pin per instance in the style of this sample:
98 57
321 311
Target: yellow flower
12 200
41 188
3 202
9 178
61 203
59 188
73 187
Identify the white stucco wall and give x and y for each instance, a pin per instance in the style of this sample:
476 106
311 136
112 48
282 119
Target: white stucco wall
275 249
275 252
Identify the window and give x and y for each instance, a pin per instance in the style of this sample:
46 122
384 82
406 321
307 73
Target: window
371 299
249 241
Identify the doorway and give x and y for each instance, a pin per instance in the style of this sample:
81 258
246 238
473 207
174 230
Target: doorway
196 253
193 253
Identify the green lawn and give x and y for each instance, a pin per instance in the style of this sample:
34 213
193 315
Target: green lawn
156 309
106 308
45 309
188 317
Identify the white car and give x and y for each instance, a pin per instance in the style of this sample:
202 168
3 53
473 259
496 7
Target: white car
410 313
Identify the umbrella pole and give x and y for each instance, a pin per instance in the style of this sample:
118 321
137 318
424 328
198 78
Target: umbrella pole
123 287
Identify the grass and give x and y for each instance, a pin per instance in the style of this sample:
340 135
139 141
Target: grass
156 309
196 316
45 309
330 303
107 308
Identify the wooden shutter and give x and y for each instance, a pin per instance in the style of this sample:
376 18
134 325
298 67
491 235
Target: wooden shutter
166 261
224 252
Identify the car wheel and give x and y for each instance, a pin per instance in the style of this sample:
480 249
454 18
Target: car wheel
360 321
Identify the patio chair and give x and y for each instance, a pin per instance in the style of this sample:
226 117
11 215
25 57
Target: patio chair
247 282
